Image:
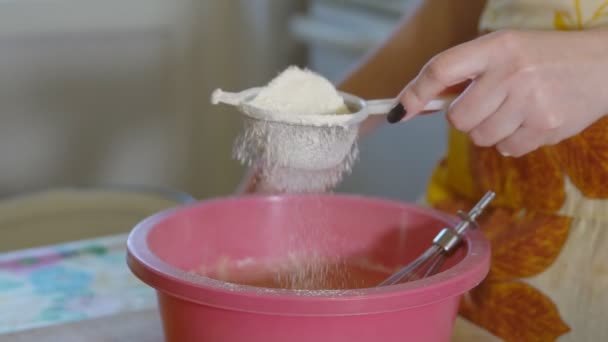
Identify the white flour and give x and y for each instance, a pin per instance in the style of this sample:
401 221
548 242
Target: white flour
300 92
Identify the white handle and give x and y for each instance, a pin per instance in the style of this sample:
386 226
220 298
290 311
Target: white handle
439 104
383 106
235 99
380 106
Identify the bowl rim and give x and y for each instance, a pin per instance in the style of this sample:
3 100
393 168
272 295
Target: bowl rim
170 280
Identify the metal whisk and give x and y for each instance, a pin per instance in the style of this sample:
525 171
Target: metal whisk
444 244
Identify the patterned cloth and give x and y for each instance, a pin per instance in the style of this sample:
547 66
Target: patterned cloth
544 14
68 282
548 279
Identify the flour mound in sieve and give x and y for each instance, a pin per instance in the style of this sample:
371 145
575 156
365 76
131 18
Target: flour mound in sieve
298 91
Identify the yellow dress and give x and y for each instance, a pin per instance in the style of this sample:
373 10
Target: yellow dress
549 223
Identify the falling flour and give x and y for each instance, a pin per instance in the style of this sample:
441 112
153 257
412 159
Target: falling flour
312 273
298 158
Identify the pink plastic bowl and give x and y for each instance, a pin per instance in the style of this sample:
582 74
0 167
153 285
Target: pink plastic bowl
165 247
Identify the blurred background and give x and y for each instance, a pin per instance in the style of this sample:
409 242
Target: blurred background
117 91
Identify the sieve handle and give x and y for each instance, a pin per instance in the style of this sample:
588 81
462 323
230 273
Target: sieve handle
378 107
234 99
383 106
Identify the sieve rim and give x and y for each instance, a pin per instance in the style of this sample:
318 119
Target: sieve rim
318 120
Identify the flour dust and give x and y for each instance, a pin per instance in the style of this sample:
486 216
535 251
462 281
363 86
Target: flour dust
297 158
300 159
300 273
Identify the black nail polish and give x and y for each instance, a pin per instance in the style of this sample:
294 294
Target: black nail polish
396 114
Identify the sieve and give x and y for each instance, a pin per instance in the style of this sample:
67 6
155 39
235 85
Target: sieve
304 153
359 109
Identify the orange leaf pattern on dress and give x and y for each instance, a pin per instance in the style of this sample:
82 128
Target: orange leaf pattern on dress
584 158
526 234
513 311
459 176
523 244
573 20
534 181
436 191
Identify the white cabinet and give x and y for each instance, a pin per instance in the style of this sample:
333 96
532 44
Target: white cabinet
87 92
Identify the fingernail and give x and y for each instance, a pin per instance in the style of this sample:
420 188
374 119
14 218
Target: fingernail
505 154
396 113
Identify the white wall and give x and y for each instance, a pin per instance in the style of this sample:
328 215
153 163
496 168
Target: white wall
117 91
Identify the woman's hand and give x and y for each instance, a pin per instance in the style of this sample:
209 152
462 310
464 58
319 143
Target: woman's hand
528 88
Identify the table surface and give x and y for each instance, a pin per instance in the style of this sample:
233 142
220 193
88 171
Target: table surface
140 326
145 326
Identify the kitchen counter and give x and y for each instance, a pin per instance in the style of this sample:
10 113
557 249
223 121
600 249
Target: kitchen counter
141 326
145 326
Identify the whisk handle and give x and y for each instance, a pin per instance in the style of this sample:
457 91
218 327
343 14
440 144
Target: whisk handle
468 219
481 205
448 238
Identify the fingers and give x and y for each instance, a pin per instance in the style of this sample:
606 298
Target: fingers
500 125
451 67
524 140
511 102
482 98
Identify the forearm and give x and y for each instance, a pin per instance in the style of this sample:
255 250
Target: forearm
430 27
